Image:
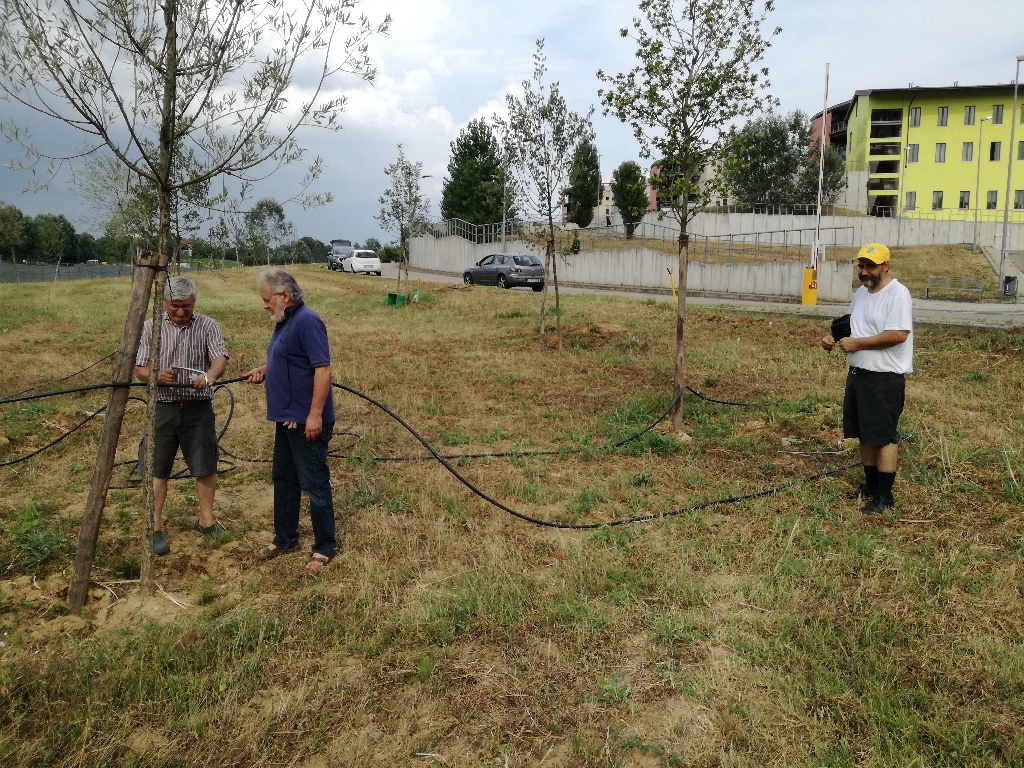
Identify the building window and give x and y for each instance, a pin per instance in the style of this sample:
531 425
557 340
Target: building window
1018 200
915 117
965 200
991 199
997 114
995 150
940 153
914 150
943 115
936 201
968 153
912 200
968 115
1020 150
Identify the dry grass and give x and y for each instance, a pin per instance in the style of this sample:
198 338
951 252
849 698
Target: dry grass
913 266
786 631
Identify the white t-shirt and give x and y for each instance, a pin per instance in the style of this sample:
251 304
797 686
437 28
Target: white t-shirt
890 309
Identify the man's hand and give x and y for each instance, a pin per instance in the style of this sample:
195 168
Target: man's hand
849 344
166 376
256 375
203 381
828 343
314 426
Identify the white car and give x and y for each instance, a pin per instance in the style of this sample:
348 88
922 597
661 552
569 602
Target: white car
361 261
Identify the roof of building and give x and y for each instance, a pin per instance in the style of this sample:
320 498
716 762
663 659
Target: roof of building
936 88
915 89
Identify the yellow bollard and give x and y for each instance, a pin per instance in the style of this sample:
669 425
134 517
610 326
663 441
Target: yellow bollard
809 294
672 282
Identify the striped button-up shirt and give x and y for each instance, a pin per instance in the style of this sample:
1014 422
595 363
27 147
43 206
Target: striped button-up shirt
194 345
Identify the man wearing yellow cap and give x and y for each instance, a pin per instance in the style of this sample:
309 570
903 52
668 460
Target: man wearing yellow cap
880 350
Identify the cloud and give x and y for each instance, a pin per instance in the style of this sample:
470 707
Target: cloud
450 61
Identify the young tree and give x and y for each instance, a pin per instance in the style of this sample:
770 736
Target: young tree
265 223
54 239
403 209
475 186
12 233
584 184
372 244
154 81
698 73
540 136
629 194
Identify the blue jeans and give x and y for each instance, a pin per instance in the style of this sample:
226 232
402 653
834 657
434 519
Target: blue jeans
300 466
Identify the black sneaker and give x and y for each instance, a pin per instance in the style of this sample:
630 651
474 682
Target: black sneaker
862 492
878 505
215 528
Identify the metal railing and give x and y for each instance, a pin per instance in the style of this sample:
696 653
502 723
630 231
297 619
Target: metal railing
782 245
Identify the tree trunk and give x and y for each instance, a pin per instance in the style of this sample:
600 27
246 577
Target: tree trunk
401 260
14 261
166 253
544 296
554 277
405 256
680 375
112 419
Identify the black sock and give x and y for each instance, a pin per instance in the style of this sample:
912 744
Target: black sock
885 482
871 479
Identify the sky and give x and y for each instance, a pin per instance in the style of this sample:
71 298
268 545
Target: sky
446 62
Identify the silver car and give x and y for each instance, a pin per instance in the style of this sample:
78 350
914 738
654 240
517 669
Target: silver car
507 270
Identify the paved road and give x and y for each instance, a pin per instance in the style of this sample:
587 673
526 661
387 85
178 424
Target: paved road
925 311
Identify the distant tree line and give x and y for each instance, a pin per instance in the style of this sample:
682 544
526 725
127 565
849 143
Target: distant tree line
263 236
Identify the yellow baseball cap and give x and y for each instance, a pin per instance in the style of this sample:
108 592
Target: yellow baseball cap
875 252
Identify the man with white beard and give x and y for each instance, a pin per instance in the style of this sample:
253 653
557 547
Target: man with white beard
297 379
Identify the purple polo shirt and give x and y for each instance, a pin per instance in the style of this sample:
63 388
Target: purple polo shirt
297 347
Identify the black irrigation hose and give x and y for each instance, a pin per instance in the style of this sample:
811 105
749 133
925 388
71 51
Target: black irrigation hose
444 459
588 526
64 378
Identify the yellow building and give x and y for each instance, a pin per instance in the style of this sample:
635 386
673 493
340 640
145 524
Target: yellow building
931 152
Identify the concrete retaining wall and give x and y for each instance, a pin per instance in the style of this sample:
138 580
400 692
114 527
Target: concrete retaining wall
644 269
866 229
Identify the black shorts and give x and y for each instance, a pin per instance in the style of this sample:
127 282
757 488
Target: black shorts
872 406
193 429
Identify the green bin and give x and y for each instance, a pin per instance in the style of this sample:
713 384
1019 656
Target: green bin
395 299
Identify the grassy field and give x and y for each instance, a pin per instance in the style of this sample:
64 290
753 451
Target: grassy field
785 631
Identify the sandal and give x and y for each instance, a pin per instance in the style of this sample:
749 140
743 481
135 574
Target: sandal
271 551
317 561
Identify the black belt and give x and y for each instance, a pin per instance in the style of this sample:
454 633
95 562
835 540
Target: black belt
861 371
184 403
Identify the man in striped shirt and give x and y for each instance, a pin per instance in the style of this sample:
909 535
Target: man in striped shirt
192 351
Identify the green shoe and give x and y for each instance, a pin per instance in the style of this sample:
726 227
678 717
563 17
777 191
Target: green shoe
215 528
160 545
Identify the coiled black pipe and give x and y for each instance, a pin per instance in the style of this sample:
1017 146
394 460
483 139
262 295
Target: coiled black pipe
444 460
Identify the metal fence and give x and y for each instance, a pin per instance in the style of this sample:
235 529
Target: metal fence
782 245
49 273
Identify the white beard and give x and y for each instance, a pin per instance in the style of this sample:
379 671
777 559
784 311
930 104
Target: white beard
277 317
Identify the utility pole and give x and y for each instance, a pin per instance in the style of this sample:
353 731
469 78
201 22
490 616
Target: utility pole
1009 168
809 294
